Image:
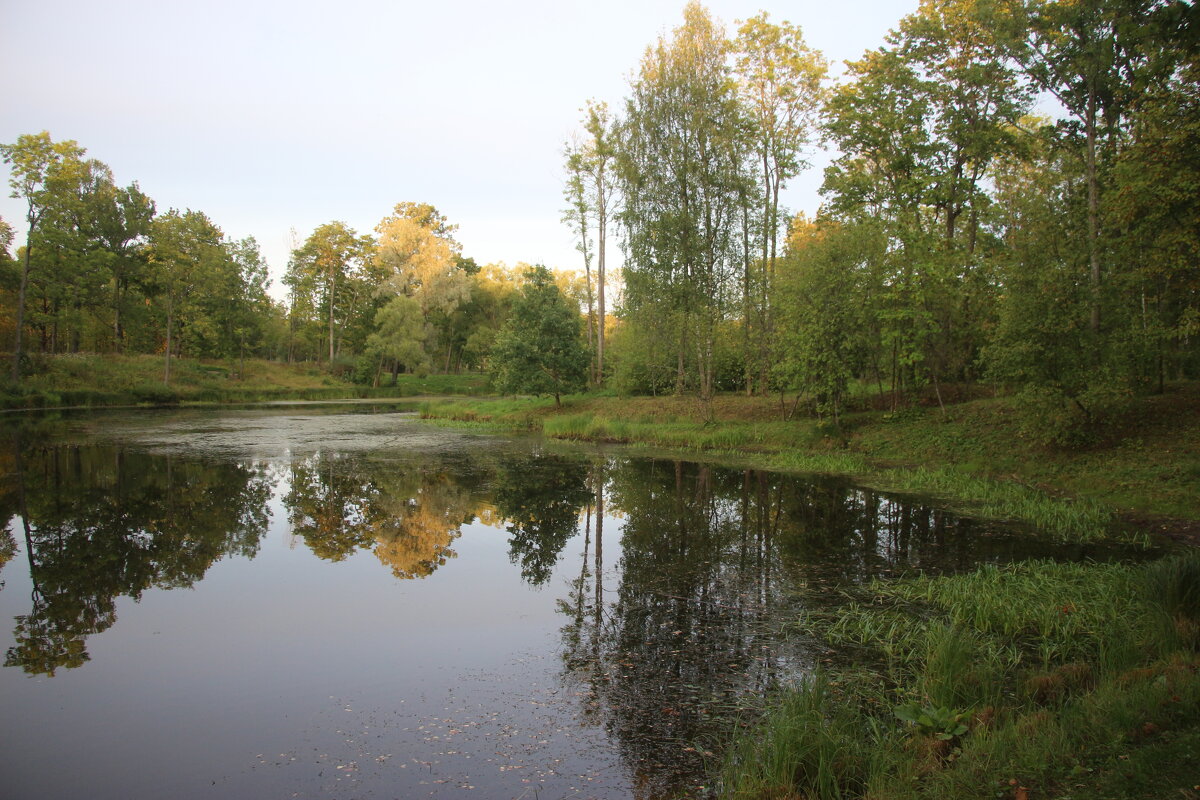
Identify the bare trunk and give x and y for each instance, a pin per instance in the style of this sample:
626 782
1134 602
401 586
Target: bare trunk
587 271
601 235
332 291
1093 221
170 322
679 362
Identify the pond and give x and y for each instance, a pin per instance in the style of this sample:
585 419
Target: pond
348 602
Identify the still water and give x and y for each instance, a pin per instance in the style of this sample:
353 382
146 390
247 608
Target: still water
350 603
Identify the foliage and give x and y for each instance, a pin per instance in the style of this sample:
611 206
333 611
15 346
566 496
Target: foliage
940 722
822 322
540 349
683 183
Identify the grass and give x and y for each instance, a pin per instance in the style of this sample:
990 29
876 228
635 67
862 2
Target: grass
1039 679
106 380
971 458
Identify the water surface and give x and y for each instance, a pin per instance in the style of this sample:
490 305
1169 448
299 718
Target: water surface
323 602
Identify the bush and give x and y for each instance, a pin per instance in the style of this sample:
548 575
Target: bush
1052 417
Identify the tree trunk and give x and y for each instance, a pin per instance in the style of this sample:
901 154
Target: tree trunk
332 291
1093 217
20 327
601 235
170 322
117 316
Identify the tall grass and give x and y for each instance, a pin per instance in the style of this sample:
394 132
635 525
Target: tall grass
814 745
1075 520
1171 589
1028 679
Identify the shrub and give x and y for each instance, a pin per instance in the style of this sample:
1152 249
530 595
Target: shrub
1050 416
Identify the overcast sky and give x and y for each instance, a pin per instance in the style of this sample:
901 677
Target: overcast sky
272 116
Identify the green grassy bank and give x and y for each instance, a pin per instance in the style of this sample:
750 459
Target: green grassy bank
971 456
111 380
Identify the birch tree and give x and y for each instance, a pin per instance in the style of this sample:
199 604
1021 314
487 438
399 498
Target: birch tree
780 81
682 183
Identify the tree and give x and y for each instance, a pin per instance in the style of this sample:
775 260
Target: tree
186 249
1095 57
418 257
36 162
591 194
122 219
540 349
683 184
327 273
246 305
822 284
919 125
780 81
399 336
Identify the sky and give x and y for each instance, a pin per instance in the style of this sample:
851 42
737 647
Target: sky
274 117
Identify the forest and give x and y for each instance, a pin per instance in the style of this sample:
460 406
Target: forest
1014 201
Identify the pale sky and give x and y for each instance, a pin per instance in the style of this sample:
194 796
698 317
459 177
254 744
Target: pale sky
273 116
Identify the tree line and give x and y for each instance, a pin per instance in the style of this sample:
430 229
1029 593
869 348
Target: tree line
103 270
962 237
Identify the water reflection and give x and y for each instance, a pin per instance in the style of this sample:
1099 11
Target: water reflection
539 497
677 583
99 523
713 565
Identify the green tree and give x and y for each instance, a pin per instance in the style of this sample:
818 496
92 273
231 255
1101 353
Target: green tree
186 250
121 220
37 162
823 280
418 257
399 336
683 181
591 196
540 349
919 125
780 81
328 275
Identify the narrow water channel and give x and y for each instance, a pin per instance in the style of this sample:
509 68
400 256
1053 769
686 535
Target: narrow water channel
349 603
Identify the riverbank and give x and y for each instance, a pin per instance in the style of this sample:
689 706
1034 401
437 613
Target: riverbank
88 380
971 456
1034 680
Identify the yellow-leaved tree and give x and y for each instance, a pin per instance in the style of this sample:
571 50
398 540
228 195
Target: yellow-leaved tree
419 258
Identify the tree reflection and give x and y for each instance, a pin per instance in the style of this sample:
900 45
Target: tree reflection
331 502
409 514
539 495
101 523
713 563
424 511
